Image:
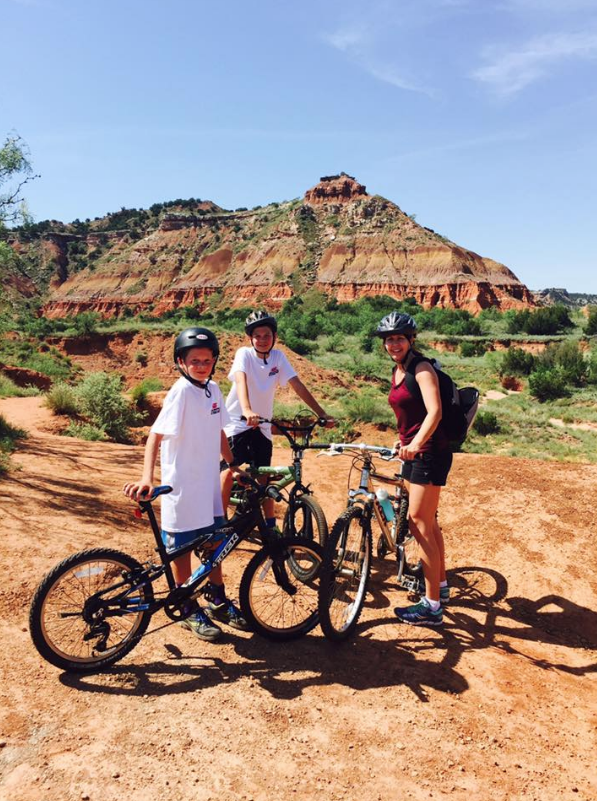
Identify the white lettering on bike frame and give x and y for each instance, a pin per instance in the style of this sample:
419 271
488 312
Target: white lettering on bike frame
227 548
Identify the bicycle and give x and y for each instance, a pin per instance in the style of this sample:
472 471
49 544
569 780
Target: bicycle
347 556
304 516
92 608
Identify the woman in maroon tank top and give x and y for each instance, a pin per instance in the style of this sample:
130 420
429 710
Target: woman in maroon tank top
425 450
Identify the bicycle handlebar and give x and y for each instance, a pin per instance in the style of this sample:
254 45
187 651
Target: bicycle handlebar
340 447
285 430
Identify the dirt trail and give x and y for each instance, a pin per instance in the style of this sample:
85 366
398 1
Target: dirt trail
500 704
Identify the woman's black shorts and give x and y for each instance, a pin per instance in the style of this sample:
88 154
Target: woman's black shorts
428 468
251 447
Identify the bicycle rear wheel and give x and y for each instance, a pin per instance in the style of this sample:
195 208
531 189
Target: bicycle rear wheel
278 590
307 521
87 613
345 574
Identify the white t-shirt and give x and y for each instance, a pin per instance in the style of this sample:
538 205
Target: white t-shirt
262 382
191 424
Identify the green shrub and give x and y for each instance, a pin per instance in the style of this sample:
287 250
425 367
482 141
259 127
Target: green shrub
546 320
9 435
368 407
141 358
8 389
592 367
568 356
486 423
549 384
140 391
101 401
516 361
85 431
591 328
62 399
468 349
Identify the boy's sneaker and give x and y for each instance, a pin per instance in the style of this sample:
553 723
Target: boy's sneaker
419 614
200 624
227 612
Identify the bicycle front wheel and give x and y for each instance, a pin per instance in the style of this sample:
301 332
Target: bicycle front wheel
87 613
306 520
278 590
345 574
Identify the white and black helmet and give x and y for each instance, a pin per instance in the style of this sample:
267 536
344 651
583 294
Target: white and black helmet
260 317
396 323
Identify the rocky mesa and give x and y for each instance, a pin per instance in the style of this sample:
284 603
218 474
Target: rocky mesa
337 238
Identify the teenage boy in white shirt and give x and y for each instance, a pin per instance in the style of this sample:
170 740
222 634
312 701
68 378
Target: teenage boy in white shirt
257 371
190 431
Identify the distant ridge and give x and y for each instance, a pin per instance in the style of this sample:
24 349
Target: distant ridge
556 295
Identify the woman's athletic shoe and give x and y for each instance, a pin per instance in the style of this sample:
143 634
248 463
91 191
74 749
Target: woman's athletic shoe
420 614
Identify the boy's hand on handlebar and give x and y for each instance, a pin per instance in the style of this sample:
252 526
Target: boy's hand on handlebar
251 418
239 474
138 490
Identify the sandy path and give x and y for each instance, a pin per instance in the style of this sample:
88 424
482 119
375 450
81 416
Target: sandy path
500 704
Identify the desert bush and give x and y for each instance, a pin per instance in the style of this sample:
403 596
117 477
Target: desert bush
468 349
141 358
549 384
140 391
86 431
486 423
9 435
592 367
568 356
368 407
591 328
546 320
516 361
62 399
8 389
102 402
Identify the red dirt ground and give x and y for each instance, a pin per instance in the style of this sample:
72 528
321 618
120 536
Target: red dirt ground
500 704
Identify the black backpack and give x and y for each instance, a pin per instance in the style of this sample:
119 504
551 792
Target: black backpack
459 406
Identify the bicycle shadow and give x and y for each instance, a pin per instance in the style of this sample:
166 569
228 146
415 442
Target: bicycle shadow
480 615
284 670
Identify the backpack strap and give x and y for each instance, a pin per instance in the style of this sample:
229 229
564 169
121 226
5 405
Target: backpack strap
409 378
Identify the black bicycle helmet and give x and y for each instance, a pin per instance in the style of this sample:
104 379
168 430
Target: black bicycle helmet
396 323
196 338
260 317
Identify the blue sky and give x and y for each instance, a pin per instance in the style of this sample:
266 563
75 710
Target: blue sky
478 117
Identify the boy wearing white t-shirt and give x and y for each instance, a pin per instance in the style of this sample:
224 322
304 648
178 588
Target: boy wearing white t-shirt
256 373
190 431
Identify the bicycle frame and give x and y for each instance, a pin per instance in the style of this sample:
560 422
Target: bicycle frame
394 533
225 539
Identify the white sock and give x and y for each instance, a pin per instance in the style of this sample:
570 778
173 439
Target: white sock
433 605
443 583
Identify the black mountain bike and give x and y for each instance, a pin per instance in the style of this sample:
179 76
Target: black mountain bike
94 606
347 556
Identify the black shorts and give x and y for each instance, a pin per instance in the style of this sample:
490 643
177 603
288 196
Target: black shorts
251 447
428 468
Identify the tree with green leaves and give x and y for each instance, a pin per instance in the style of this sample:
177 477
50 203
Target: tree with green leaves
15 172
